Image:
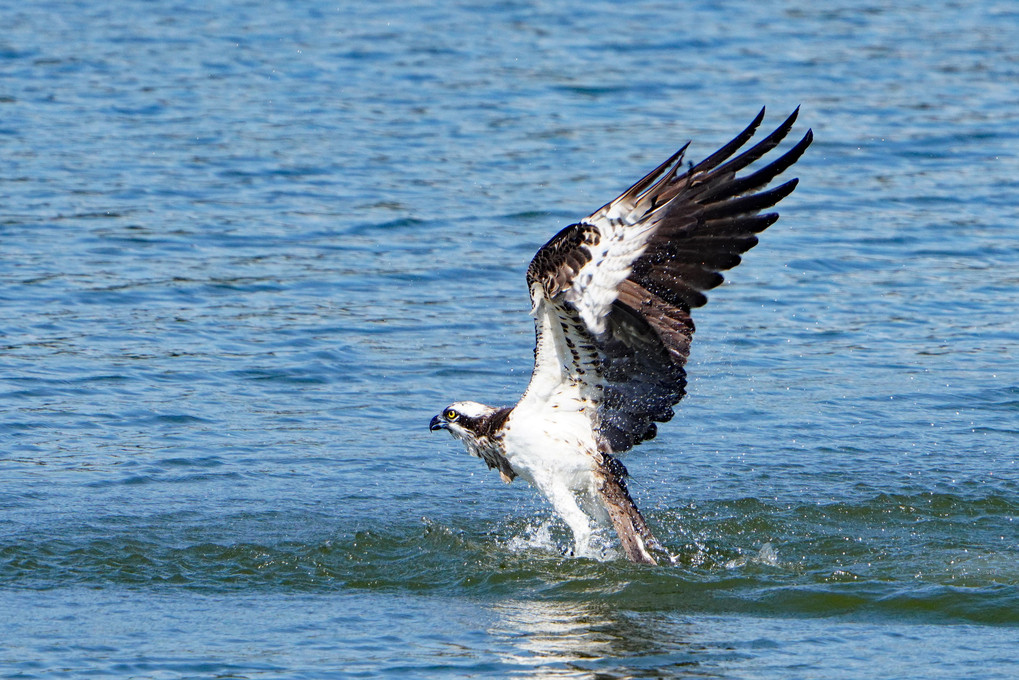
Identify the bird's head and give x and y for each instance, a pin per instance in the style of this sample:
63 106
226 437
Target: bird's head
465 420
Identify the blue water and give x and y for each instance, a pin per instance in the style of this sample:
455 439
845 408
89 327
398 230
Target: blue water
247 250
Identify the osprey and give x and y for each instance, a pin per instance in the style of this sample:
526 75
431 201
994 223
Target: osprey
611 297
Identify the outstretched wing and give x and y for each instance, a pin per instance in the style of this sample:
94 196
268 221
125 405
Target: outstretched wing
612 294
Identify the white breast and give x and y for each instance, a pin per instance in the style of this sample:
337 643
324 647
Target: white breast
551 447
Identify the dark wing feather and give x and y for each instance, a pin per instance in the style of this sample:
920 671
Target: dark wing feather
612 294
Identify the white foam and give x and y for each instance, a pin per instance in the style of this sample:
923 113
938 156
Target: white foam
597 546
534 537
767 556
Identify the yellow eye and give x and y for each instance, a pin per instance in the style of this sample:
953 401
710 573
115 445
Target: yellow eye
452 415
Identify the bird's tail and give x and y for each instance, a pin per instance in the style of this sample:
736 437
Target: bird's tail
634 534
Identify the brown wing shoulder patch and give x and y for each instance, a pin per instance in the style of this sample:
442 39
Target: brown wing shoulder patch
557 262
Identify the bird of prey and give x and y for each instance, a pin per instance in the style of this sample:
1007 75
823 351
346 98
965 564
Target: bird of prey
611 298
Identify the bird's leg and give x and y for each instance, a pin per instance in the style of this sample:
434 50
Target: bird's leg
565 504
634 534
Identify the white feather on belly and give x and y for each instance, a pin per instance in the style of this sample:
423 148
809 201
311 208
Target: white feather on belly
555 451
550 444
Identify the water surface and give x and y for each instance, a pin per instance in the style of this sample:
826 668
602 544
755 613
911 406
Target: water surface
247 250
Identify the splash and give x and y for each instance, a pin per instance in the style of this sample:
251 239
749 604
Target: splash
541 536
767 556
534 537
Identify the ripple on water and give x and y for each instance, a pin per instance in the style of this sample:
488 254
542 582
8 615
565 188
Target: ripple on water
250 248
889 557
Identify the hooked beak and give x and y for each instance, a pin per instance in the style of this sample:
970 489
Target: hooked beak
438 424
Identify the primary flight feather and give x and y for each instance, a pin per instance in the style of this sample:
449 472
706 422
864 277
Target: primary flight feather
611 297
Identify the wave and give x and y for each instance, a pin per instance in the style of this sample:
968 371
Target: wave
931 557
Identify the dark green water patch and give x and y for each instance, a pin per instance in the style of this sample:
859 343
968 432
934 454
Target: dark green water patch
928 557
